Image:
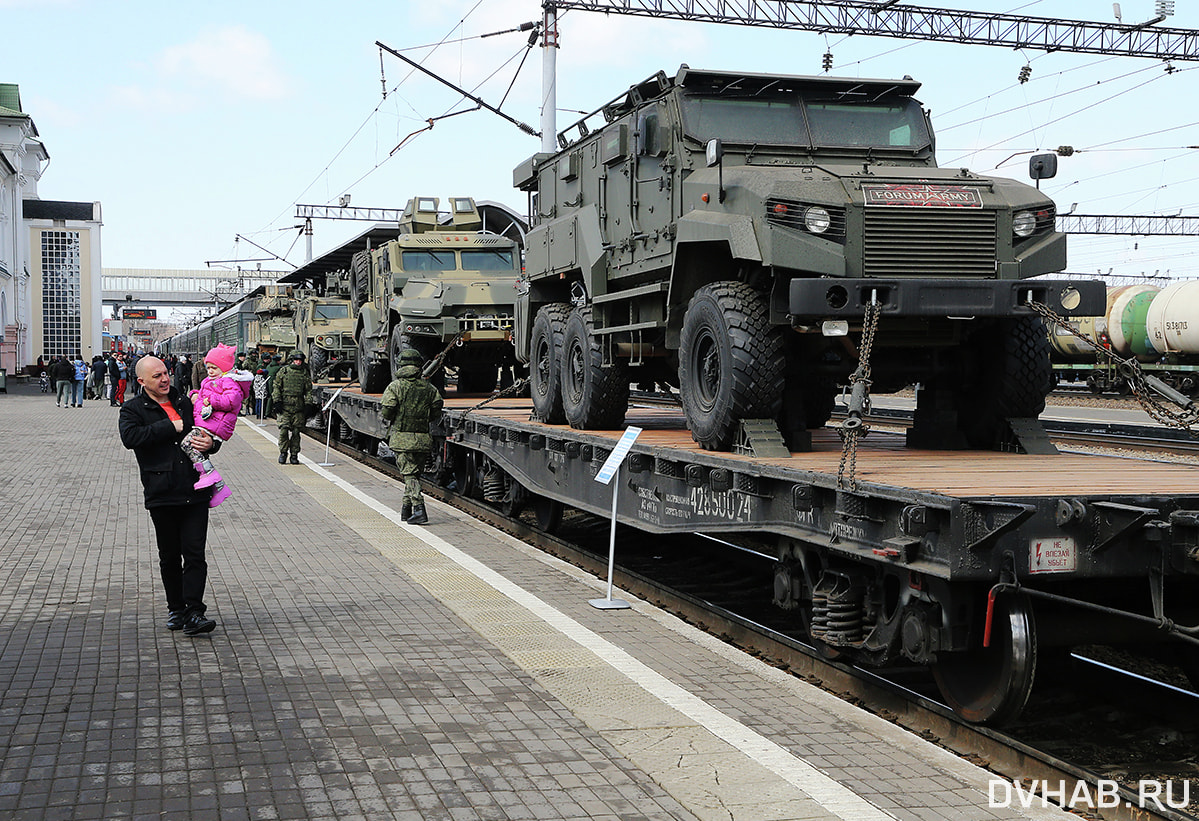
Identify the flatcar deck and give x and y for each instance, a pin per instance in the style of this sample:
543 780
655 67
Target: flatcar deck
884 460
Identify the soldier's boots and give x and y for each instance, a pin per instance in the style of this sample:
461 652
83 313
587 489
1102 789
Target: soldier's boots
283 458
405 511
295 458
418 517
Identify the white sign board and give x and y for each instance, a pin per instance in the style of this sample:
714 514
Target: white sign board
612 463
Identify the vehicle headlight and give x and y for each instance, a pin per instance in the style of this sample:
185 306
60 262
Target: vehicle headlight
1024 223
816 219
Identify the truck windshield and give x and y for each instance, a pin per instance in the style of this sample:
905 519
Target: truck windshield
428 260
331 311
791 120
493 259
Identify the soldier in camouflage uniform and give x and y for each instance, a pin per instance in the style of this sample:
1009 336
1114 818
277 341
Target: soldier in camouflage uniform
411 404
292 391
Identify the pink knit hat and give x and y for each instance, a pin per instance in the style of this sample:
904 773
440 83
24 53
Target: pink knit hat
222 356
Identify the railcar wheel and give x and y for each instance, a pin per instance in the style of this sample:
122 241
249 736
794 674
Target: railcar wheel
990 685
730 362
548 512
372 376
594 396
545 361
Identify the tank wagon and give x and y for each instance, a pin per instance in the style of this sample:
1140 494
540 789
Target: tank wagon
978 565
445 288
754 239
1156 327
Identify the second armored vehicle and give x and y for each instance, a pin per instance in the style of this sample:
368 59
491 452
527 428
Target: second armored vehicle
445 287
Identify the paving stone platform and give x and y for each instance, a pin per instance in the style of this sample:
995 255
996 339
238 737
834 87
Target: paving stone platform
366 669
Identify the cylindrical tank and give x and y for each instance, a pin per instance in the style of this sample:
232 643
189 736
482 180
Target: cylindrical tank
1069 348
1126 321
1173 319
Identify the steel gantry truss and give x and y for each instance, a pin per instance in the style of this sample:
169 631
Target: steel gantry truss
1175 226
891 19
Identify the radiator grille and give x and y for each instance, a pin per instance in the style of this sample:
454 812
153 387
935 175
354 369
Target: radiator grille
929 242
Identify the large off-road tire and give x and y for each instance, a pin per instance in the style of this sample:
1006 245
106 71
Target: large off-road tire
372 376
1008 376
594 396
360 272
318 362
545 358
730 362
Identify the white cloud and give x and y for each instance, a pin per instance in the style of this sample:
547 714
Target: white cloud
232 60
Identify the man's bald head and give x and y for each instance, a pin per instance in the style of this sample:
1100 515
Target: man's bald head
153 375
146 363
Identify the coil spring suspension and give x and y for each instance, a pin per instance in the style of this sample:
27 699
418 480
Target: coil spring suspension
838 611
494 486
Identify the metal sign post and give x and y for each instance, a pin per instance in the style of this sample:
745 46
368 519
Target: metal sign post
329 427
610 468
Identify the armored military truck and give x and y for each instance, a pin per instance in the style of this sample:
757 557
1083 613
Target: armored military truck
753 240
275 310
324 325
445 287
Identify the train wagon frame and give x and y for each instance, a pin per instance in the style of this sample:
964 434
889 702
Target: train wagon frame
972 563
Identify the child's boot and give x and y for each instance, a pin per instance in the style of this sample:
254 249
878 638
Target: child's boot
219 495
208 475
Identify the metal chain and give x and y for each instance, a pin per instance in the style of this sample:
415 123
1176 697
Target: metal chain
1132 371
432 366
854 428
512 389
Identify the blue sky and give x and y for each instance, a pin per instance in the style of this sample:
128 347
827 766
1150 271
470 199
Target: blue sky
195 123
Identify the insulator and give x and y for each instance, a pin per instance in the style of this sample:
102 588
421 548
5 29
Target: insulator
1025 73
1164 8
1064 151
827 62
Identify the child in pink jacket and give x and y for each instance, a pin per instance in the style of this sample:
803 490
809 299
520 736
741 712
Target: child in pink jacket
216 403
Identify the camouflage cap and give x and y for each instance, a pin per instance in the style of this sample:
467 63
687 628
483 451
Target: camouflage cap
411 356
297 355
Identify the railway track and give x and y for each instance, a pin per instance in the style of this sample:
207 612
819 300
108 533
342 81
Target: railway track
902 697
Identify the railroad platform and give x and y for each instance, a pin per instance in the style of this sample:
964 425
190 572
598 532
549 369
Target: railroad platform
366 669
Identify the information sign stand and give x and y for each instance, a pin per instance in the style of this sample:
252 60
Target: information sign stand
610 469
329 427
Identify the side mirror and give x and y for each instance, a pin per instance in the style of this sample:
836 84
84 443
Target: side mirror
714 153
1042 166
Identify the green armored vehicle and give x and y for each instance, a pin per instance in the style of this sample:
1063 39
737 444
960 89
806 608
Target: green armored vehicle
275 310
324 325
733 235
444 286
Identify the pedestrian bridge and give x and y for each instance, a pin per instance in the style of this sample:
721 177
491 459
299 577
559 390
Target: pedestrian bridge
154 287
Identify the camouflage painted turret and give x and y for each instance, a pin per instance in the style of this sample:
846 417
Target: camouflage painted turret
445 285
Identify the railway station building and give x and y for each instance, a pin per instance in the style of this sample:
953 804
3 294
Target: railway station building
50 264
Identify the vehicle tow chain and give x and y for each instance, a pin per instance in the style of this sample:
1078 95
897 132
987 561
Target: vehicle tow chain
854 428
434 364
1143 385
513 389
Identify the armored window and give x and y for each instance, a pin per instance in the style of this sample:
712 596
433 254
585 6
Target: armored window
463 205
428 261
895 124
498 259
331 311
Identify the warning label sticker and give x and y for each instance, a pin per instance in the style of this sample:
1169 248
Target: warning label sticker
923 195
1052 556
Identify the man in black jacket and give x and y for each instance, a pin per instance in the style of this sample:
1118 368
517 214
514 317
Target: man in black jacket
152 424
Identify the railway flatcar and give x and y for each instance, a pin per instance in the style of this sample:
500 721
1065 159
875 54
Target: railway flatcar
1156 327
979 565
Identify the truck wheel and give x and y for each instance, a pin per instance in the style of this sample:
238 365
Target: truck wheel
545 355
730 362
372 376
594 396
1011 377
318 361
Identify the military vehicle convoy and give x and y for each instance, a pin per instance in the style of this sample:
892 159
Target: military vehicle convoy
445 287
753 240
324 324
276 310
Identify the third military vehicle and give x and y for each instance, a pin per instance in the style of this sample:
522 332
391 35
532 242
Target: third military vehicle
445 286
753 240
